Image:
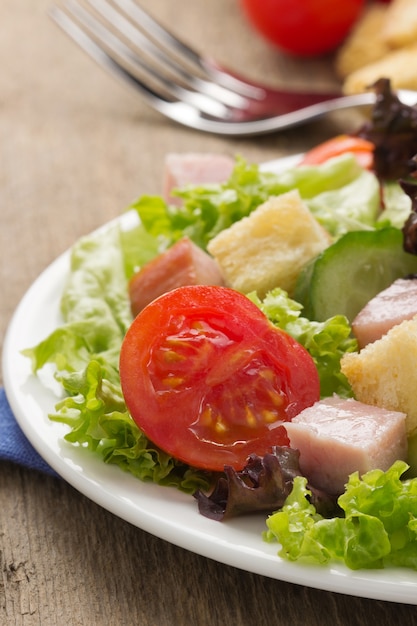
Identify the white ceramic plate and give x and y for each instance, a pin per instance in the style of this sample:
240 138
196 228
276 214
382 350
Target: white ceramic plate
162 511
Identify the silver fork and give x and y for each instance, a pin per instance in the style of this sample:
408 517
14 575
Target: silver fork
183 85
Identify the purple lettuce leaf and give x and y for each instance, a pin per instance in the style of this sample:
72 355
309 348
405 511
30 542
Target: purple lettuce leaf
392 128
262 485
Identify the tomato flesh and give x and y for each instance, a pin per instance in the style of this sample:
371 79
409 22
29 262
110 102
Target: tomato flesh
209 380
303 27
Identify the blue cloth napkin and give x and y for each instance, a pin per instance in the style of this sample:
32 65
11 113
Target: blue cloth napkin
14 446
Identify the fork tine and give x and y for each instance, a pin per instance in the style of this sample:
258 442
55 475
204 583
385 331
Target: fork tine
103 44
158 55
176 111
179 49
70 27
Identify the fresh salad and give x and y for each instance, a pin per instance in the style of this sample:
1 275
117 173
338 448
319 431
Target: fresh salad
193 390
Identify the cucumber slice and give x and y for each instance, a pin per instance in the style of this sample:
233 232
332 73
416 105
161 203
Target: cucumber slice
343 278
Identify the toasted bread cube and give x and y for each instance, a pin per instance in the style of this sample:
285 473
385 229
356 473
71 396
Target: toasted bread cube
400 23
398 65
268 248
365 43
384 373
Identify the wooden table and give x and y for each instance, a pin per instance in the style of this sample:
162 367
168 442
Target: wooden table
75 148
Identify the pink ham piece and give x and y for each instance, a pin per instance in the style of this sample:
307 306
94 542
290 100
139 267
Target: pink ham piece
336 437
389 308
182 264
194 169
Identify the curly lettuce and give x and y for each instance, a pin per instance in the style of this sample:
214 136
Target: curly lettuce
85 352
379 527
326 341
340 194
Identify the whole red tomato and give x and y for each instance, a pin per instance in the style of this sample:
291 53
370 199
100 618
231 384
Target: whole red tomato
303 27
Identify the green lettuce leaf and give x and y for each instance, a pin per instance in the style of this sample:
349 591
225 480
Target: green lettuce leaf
95 307
355 206
379 527
85 351
95 411
397 205
326 341
138 247
208 209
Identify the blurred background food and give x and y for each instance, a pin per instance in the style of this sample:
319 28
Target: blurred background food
383 42
368 39
303 27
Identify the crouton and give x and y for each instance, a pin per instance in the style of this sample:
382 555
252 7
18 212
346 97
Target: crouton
365 43
384 373
400 27
268 248
399 66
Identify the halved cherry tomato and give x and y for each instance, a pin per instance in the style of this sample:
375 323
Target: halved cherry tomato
210 380
303 27
361 148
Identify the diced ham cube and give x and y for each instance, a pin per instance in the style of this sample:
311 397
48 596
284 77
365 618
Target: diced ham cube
182 264
389 308
336 437
194 169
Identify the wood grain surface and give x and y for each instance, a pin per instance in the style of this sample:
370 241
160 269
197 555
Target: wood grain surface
75 148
